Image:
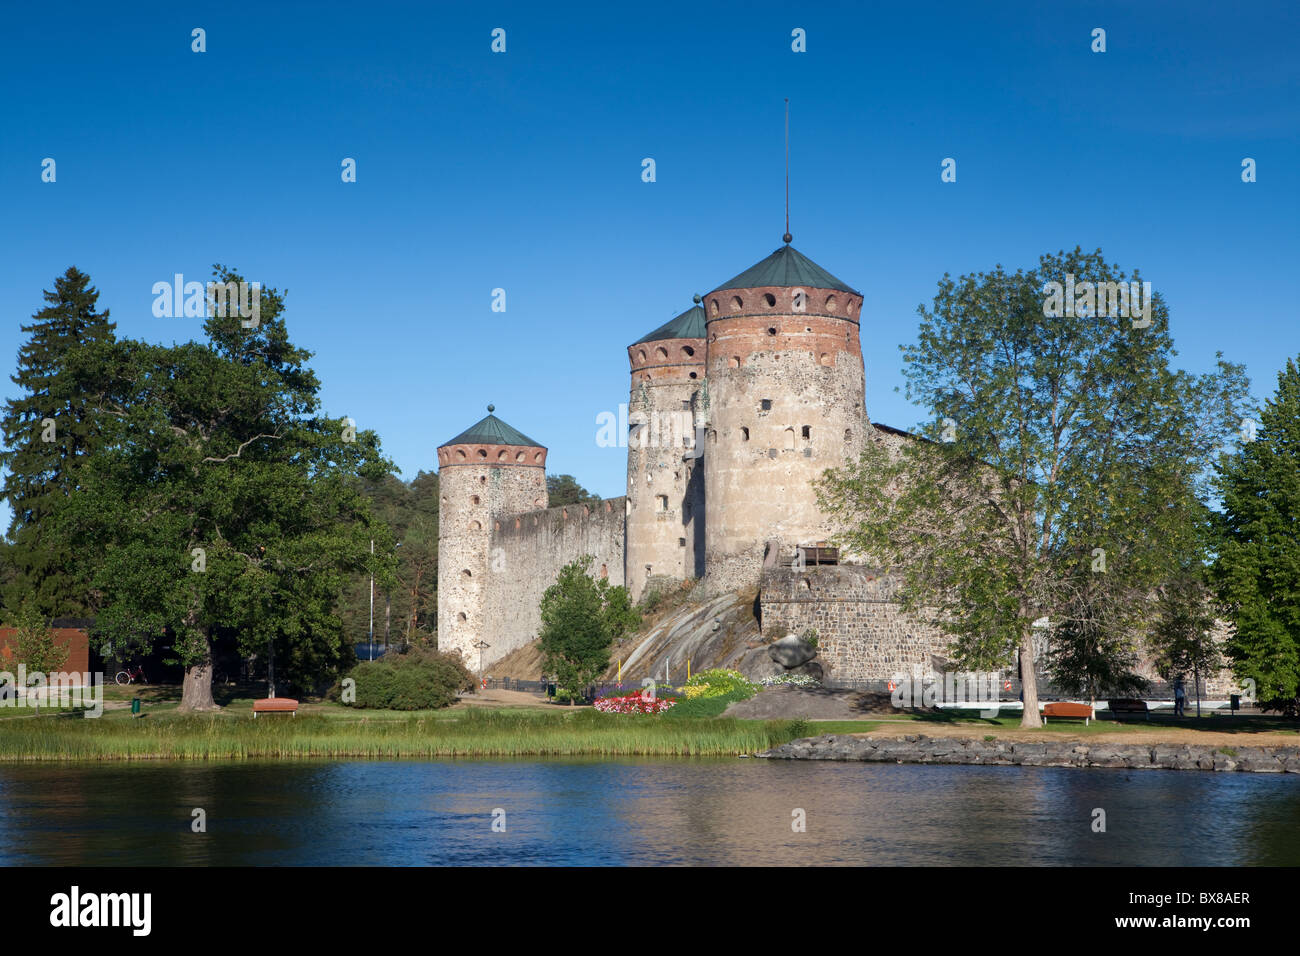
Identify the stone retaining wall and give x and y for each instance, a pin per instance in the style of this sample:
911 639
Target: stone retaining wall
918 748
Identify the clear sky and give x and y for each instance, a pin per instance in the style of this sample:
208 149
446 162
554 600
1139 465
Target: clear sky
523 171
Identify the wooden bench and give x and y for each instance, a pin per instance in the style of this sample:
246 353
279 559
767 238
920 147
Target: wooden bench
1128 705
275 705
1065 709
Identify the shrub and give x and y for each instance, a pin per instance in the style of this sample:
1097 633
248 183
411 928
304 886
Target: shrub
718 683
809 637
417 680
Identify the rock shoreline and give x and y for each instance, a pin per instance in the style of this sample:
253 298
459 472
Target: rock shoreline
918 748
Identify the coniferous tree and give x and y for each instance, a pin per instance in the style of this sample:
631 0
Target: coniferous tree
1258 568
50 432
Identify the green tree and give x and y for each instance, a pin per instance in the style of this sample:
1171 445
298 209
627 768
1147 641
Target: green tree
1061 446
50 431
1183 634
581 619
406 612
1257 574
34 646
565 490
224 500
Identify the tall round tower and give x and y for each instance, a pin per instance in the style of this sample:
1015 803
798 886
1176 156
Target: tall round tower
488 469
665 478
786 402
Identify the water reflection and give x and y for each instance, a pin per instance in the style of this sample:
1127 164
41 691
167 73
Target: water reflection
642 811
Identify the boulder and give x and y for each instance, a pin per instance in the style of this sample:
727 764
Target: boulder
791 651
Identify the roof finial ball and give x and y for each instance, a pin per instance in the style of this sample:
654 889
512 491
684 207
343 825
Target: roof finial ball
787 238
491 409
697 298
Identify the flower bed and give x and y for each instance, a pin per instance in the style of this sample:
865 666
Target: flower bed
795 680
634 703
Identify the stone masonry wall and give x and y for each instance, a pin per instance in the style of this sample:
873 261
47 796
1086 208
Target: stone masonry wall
525 553
862 632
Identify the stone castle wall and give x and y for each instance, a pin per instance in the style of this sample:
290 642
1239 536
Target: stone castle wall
665 478
476 482
524 555
862 632
786 389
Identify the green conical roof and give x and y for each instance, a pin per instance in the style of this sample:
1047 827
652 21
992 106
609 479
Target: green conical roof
688 325
492 431
787 267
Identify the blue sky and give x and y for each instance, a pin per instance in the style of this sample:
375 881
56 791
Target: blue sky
522 171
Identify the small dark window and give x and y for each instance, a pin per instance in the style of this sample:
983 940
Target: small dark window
807 431
771 331
766 404
744 434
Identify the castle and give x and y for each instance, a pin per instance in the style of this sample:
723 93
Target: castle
735 407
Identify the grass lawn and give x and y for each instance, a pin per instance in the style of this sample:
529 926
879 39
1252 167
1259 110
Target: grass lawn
332 730
327 729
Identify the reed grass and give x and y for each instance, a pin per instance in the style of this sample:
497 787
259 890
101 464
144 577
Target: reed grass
474 733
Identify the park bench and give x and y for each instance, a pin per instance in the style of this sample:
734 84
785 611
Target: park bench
1065 709
275 705
1128 705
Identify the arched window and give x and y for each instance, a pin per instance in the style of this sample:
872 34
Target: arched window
473 499
789 438
475 526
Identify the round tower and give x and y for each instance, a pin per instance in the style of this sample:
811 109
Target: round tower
786 401
665 479
489 469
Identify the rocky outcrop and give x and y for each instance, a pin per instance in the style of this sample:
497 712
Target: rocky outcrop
918 748
791 651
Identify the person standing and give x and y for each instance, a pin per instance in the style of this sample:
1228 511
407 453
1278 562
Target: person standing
1180 697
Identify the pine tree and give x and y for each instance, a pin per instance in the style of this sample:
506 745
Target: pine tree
1258 567
50 431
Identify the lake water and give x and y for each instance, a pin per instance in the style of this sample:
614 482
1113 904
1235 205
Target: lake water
639 811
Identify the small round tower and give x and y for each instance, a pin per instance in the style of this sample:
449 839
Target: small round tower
786 401
488 469
665 479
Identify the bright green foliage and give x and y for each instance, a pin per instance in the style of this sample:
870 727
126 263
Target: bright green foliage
718 682
50 431
417 680
33 642
1064 461
33 645
223 498
1258 569
581 619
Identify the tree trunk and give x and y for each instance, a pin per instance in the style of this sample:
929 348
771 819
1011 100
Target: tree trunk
1029 682
196 691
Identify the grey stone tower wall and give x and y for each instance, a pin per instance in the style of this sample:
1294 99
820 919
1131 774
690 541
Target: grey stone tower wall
476 483
665 481
806 365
